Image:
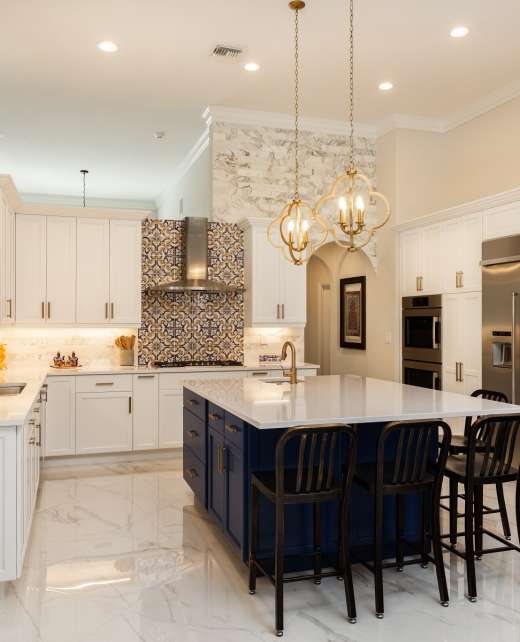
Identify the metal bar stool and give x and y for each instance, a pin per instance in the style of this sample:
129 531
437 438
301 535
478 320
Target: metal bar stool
319 477
459 446
491 446
408 462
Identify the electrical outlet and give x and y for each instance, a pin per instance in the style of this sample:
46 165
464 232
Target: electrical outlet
388 337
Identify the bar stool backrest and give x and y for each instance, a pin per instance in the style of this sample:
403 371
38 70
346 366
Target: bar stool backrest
498 436
490 395
318 467
412 460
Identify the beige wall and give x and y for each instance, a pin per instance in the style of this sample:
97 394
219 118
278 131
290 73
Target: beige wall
437 171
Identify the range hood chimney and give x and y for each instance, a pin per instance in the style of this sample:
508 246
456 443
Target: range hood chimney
195 277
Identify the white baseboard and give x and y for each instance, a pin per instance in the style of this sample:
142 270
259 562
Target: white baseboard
111 458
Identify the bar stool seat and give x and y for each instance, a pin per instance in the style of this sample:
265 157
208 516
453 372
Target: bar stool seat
456 468
265 481
366 478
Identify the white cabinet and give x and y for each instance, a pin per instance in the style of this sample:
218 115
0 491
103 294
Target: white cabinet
108 271
45 269
125 272
103 422
420 261
462 342
8 504
92 270
170 418
276 290
59 437
462 252
502 221
7 305
146 412
61 269
30 269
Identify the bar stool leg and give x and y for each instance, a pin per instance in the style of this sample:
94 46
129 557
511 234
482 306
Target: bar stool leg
426 510
470 551
479 520
344 548
503 511
278 573
437 549
454 508
253 535
316 510
518 507
399 525
378 554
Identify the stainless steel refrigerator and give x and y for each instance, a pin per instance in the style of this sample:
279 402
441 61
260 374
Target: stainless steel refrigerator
501 316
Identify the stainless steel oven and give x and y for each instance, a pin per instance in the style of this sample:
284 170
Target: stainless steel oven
422 318
423 374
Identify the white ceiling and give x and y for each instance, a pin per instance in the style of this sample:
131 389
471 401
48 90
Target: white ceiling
65 105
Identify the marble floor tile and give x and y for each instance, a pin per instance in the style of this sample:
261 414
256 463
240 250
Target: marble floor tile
127 556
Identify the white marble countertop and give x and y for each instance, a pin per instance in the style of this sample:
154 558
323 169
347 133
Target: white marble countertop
15 409
338 399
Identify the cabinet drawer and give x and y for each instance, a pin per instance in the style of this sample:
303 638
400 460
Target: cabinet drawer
104 383
194 435
216 418
195 403
234 430
194 473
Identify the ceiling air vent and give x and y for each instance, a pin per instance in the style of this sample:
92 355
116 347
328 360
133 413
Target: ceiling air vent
229 53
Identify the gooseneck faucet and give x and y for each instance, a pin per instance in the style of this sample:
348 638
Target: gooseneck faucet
292 374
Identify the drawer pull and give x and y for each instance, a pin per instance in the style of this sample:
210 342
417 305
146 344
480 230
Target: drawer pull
192 402
259 374
146 376
104 383
232 428
192 473
214 417
193 433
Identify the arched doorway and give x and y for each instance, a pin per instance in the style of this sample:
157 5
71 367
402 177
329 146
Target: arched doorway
320 308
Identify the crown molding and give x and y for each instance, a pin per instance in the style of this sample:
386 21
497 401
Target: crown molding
93 202
406 121
276 120
473 207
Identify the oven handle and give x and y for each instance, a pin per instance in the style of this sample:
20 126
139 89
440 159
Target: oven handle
436 381
436 320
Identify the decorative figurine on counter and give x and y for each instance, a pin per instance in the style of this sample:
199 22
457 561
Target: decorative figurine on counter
59 361
72 361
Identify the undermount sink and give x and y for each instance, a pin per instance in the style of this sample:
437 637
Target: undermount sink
11 389
280 380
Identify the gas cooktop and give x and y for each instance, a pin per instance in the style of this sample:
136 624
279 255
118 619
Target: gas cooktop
195 362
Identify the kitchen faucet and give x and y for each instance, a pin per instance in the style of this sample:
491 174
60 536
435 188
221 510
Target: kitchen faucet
292 374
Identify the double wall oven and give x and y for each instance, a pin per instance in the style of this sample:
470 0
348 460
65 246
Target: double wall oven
422 345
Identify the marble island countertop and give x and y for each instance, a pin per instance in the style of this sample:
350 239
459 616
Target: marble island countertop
14 409
338 399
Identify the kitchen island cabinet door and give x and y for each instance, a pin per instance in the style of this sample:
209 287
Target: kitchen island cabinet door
216 477
234 465
59 438
170 418
92 279
103 422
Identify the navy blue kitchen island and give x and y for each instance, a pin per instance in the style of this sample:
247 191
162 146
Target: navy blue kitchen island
231 429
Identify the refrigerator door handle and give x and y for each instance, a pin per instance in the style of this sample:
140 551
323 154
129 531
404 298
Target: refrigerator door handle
513 348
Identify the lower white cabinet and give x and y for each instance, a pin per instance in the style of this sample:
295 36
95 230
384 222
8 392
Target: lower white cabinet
146 412
59 438
103 422
8 518
170 418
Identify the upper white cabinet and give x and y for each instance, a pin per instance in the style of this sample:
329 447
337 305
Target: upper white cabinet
461 254
125 271
109 271
45 269
420 259
275 290
93 271
502 221
7 304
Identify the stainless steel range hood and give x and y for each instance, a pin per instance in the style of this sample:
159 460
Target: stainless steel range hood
195 277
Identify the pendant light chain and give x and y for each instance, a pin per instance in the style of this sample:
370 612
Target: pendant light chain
296 105
350 63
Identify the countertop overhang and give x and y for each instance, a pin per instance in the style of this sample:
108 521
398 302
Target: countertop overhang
338 399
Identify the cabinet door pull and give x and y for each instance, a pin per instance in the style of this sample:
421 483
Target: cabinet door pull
106 310
43 309
10 304
456 370
218 460
192 402
461 371
223 451
129 405
192 473
232 428
111 310
145 376
283 310
214 417
277 310
104 383
39 442
193 433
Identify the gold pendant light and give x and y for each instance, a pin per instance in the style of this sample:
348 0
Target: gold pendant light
352 202
297 231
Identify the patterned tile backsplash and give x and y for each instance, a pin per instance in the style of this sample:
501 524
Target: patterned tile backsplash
191 325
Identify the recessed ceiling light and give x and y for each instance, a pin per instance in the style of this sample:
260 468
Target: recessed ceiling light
107 46
386 86
159 135
459 32
251 66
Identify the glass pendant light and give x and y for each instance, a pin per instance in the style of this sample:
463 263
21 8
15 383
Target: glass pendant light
297 231
351 203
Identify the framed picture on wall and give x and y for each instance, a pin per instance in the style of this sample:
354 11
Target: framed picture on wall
352 306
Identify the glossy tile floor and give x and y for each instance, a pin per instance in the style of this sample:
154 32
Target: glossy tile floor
121 554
